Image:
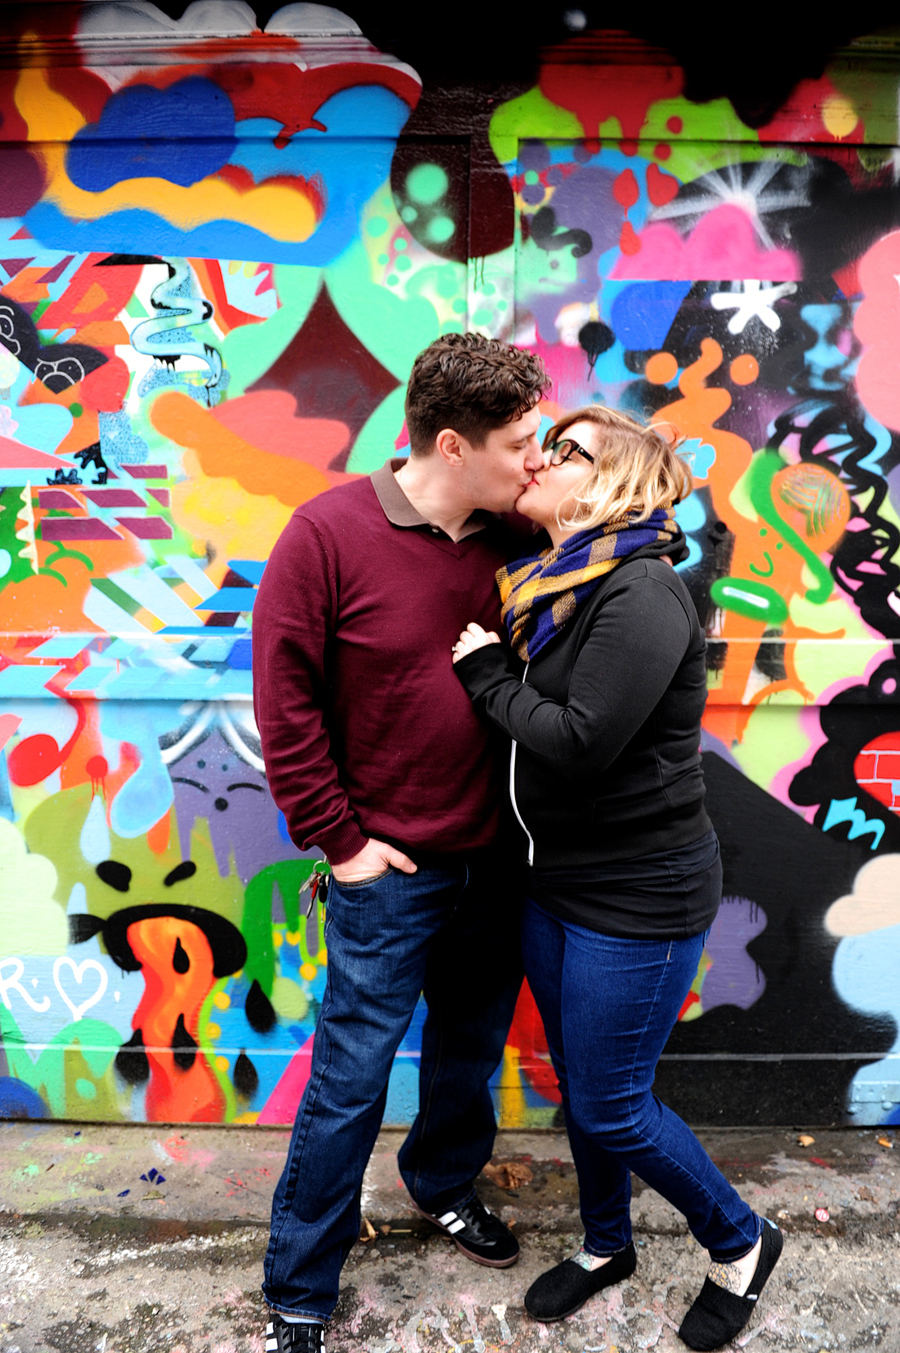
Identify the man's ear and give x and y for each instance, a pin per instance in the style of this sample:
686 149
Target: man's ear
451 446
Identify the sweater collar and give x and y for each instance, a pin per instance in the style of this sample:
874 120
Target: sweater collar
400 511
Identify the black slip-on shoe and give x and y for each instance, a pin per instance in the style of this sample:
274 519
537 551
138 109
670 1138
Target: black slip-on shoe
284 1336
564 1289
717 1315
477 1233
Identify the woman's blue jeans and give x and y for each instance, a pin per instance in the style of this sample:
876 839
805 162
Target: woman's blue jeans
608 1006
449 931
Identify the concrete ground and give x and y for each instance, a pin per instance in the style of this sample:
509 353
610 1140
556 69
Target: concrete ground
132 1239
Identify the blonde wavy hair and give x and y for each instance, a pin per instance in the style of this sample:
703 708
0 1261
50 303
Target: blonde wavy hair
636 469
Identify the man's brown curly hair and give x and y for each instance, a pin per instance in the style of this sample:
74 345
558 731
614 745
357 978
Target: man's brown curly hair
471 384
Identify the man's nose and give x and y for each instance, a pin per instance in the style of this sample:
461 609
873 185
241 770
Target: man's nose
534 457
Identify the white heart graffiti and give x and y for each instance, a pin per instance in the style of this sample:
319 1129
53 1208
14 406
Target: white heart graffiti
78 971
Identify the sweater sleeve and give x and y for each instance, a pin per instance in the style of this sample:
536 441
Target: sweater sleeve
294 621
639 636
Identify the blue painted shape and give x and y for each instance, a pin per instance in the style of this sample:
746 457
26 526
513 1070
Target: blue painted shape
403 1091
91 679
232 684
147 794
202 629
6 808
182 134
229 599
642 314
350 166
211 650
27 682
140 231
241 656
63 646
18 1100
883 442
699 455
251 569
690 516
139 683
845 810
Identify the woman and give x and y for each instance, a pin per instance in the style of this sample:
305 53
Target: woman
625 875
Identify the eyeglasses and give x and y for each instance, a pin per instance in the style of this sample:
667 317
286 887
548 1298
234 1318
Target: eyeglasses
564 448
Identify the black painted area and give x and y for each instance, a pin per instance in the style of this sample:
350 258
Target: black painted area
794 873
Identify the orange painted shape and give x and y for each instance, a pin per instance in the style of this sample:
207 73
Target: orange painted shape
744 369
106 333
158 835
661 368
223 454
174 1094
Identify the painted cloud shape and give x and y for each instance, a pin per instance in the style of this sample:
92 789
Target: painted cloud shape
130 139
722 247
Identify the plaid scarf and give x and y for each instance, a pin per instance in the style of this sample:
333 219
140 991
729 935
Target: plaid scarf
540 594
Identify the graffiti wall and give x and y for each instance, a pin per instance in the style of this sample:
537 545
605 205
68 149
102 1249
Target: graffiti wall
220 250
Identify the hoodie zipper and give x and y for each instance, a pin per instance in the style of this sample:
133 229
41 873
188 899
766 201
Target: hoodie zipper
512 788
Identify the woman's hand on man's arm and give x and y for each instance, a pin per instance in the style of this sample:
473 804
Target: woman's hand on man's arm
473 637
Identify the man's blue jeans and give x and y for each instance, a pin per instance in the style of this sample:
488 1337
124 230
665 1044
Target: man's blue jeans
451 931
608 1006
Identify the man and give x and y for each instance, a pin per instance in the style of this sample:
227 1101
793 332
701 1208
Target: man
375 756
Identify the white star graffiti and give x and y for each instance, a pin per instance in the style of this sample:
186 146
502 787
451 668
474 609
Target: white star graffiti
754 302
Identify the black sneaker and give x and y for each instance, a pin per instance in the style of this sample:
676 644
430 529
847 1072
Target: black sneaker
284 1336
477 1233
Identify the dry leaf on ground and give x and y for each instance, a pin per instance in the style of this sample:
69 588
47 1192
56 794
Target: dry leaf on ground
509 1174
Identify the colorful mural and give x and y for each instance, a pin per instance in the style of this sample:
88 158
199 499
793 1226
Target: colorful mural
220 252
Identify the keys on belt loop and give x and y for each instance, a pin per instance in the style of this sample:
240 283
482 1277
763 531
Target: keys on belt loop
317 884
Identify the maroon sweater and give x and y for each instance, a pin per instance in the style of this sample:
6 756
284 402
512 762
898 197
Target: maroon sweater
366 730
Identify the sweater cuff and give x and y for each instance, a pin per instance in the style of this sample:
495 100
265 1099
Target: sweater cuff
483 664
339 844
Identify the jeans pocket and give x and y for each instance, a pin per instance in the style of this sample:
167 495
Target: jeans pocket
353 884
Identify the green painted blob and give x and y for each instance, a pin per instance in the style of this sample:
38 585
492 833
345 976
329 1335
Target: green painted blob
488 288
532 177
377 226
530 115
256 923
447 283
408 215
460 307
288 1001
403 264
384 259
754 600
451 326
441 229
501 305
482 316
392 279
763 469
427 183
399 242
877 98
76 410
